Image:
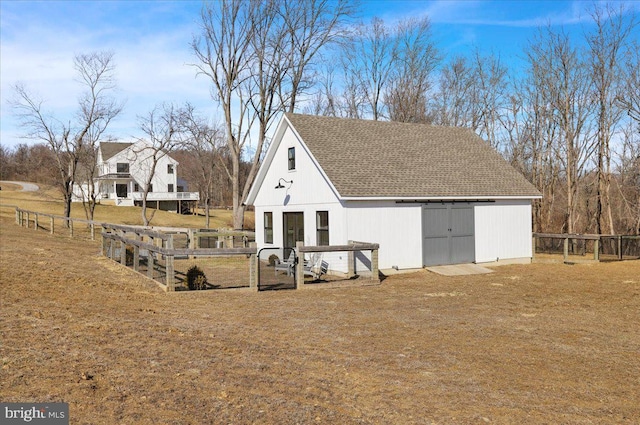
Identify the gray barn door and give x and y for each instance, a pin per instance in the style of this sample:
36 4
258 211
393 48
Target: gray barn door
447 232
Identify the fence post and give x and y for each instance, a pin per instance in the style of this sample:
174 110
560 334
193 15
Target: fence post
253 267
299 272
374 265
136 253
620 247
17 216
123 248
70 227
533 246
28 219
104 241
93 231
596 249
170 279
51 222
111 249
192 241
35 222
351 266
150 261
566 248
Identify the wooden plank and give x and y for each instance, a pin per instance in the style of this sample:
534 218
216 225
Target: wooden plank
335 248
566 235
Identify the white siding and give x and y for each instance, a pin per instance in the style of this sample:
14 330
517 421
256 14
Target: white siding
309 186
396 227
502 230
309 192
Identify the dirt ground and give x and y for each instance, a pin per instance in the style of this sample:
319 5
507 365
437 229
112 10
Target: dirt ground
535 344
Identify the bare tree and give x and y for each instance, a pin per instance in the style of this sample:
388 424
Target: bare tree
368 59
311 26
204 144
606 44
225 56
163 130
629 97
71 138
417 57
257 55
490 86
572 107
453 104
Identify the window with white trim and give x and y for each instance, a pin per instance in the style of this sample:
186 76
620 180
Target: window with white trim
268 227
322 227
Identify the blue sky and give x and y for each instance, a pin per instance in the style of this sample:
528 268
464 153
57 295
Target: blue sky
150 39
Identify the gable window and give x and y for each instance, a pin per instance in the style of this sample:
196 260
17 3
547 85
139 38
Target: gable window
292 158
268 227
170 189
122 167
322 227
169 169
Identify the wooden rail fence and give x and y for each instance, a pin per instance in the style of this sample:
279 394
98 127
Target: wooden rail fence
351 248
35 219
160 245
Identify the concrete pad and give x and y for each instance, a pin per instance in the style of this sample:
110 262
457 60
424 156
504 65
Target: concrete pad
459 269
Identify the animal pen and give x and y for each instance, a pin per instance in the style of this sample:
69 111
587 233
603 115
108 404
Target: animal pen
156 255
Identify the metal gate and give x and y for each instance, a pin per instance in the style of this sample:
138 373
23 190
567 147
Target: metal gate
448 234
276 269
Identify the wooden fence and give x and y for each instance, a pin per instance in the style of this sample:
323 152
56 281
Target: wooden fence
351 249
47 222
610 247
154 253
159 247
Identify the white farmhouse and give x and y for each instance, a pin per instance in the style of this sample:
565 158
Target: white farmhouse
428 195
123 170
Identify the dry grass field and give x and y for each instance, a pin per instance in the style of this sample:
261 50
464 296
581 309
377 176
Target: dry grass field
527 344
48 200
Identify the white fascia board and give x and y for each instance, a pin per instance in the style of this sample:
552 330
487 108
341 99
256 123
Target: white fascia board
268 158
437 198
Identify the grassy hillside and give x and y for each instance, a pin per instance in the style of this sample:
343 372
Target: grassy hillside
49 200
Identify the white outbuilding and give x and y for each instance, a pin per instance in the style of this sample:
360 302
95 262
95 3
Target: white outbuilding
428 195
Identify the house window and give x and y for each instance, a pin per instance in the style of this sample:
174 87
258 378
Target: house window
169 169
122 167
322 227
170 188
136 187
268 227
150 188
292 158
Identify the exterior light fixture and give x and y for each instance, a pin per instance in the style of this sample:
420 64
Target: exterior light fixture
280 186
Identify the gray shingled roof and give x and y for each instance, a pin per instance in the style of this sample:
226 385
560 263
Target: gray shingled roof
109 149
388 159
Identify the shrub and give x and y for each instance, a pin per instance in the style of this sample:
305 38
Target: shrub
196 279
